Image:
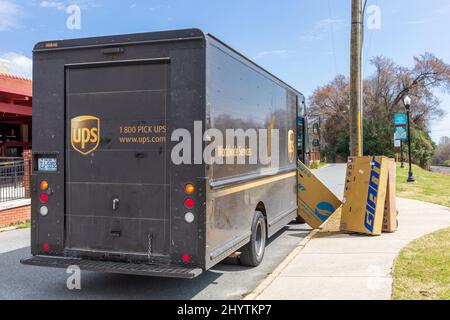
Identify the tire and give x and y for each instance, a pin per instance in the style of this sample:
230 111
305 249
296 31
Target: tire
252 253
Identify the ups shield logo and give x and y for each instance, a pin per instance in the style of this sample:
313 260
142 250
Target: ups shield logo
85 134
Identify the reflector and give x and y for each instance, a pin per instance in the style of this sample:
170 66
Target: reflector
44 198
44 211
189 203
189 217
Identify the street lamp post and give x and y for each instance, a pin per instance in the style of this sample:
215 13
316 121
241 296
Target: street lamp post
407 102
401 155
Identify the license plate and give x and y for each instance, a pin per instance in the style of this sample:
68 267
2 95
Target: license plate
47 165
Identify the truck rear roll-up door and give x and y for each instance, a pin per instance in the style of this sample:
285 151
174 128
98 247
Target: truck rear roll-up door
116 159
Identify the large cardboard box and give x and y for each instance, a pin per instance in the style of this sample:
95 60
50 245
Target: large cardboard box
316 203
390 223
365 195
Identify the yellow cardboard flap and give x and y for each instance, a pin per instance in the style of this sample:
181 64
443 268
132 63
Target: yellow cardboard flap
316 203
390 223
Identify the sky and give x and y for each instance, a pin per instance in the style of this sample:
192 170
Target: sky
304 42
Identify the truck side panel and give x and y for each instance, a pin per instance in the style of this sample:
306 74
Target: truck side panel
241 95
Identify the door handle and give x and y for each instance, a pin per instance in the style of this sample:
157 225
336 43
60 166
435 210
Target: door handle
116 204
116 234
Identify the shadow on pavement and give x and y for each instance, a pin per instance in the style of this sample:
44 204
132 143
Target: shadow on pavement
28 282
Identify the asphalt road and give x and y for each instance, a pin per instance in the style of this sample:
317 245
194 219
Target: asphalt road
442 170
226 281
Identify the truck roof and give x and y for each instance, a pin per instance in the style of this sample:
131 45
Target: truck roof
147 37
124 39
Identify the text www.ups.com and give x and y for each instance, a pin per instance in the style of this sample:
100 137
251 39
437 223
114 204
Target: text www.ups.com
142 140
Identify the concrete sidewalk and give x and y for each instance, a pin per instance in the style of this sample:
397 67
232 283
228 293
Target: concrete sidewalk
339 267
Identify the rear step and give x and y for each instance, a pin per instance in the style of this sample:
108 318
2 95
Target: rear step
115 267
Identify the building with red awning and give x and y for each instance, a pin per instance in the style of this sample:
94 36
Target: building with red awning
15 115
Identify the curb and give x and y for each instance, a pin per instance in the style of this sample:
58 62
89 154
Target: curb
7 229
269 279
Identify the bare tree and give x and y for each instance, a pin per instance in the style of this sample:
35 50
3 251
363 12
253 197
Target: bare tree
384 92
442 155
444 140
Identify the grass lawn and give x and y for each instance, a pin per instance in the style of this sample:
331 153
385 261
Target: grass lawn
19 225
318 165
422 269
321 164
429 186
23 225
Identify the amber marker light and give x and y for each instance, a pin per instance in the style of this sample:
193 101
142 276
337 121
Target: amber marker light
44 185
189 188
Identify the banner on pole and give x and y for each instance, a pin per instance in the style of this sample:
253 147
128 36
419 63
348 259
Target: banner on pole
400 119
400 133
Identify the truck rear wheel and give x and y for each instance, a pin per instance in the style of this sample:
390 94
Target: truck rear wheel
252 253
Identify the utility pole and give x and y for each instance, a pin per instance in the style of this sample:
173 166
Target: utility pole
356 148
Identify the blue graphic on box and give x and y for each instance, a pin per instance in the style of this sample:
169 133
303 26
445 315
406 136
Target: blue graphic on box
372 196
303 169
301 187
324 210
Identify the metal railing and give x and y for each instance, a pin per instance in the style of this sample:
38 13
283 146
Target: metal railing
14 182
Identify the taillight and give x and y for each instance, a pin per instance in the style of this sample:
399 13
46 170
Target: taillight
186 258
189 203
46 247
44 198
44 185
189 188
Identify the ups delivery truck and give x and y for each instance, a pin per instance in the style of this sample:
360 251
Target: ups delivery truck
107 194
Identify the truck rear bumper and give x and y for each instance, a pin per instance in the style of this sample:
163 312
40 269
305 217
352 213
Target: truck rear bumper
115 267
